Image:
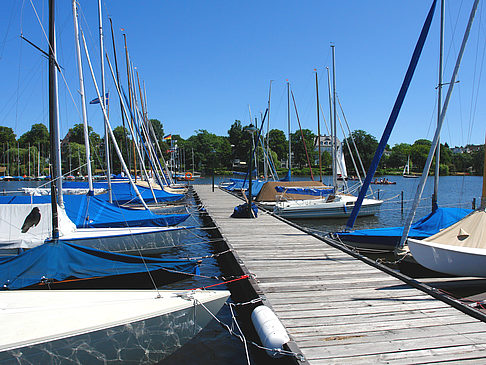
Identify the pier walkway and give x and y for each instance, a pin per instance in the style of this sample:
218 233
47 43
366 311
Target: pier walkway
336 308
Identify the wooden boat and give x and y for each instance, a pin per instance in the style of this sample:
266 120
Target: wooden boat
117 326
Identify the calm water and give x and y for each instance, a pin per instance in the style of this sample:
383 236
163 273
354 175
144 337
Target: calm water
454 191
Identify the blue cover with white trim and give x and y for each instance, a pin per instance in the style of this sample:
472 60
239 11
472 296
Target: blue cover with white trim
66 260
124 193
92 212
304 191
425 227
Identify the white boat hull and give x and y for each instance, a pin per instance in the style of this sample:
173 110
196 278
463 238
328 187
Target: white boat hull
103 326
127 240
320 208
447 259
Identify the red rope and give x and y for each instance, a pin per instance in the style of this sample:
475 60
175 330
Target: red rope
224 282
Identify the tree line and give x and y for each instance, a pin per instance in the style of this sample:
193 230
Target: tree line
205 151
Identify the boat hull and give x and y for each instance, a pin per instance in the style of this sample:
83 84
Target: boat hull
137 327
320 209
452 260
131 241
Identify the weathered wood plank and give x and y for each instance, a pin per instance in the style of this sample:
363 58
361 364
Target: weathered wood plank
337 308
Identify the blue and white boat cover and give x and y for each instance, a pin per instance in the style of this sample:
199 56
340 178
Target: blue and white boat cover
66 260
427 226
239 184
304 191
91 212
123 192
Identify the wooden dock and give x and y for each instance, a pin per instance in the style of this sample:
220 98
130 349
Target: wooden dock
337 308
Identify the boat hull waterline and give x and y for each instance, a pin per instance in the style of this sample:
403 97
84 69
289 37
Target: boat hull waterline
101 326
319 208
448 259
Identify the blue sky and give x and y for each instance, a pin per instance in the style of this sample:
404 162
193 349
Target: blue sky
204 62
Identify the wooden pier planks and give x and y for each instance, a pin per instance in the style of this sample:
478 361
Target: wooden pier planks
338 309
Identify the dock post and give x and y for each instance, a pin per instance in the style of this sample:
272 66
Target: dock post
402 200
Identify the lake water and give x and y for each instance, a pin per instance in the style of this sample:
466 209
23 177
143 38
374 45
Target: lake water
454 191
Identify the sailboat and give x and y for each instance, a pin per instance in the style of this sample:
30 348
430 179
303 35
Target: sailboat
65 265
389 239
336 205
461 248
87 211
457 250
406 170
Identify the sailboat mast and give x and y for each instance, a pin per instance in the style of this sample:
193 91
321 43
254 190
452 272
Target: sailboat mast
318 129
435 140
130 105
288 122
483 195
56 182
334 142
103 100
83 100
127 146
266 160
439 105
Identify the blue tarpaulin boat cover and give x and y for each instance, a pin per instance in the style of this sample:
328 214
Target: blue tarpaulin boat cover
239 173
61 261
304 191
92 212
124 193
238 184
425 227
241 211
287 177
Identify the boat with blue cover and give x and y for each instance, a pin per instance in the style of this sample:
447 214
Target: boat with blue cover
66 265
124 193
388 239
92 212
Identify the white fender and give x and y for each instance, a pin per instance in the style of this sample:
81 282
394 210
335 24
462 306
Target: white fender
271 331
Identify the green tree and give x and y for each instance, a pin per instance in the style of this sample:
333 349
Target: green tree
399 156
239 138
73 158
278 143
158 129
210 150
419 153
38 134
478 161
366 145
122 136
76 134
7 136
298 150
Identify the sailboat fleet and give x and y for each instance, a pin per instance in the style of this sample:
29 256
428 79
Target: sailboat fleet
95 244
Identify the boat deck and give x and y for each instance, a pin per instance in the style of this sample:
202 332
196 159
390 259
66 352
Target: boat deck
338 308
